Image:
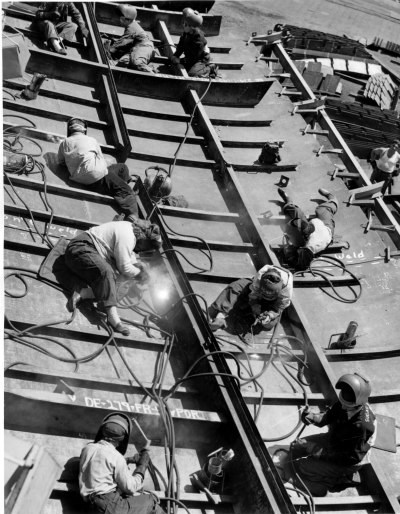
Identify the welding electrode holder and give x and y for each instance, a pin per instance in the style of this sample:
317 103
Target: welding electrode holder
346 340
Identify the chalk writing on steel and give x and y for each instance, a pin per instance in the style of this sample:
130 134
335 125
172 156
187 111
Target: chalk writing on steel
141 408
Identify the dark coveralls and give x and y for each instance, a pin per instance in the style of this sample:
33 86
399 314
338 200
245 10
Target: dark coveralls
63 28
116 503
115 184
234 301
134 49
343 448
197 61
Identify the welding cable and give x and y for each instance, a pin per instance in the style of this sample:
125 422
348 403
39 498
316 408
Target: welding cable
18 140
178 502
14 97
32 124
208 254
298 477
172 166
306 497
333 261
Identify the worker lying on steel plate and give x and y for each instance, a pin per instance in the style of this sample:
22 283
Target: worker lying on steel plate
314 235
330 460
386 164
105 480
134 49
51 20
82 156
253 303
193 45
98 255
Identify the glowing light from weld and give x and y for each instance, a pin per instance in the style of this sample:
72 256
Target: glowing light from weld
163 293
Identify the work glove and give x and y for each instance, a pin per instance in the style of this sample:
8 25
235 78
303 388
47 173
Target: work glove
53 16
143 276
85 32
134 459
175 60
307 417
143 462
264 319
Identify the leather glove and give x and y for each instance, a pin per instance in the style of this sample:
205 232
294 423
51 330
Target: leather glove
144 272
85 32
143 462
134 459
53 16
307 417
265 319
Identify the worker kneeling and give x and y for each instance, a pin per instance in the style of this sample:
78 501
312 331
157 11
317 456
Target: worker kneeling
104 477
100 254
253 303
331 460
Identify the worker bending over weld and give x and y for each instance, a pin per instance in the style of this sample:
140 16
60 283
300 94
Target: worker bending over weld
51 20
100 254
134 49
253 303
312 236
331 460
193 45
105 480
386 164
82 156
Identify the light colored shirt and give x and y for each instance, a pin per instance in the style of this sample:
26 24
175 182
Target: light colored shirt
385 163
102 469
320 238
83 157
115 242
284 297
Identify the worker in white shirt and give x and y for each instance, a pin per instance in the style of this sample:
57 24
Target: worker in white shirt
386 164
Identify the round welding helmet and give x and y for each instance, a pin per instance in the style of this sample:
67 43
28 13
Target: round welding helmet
128 11
192 18
271 284
76 125
115 427
354 390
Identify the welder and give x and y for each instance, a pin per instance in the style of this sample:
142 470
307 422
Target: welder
134 49
193 45
105 480
386 164
103 253
311 236
51 20
82 156
331 461
253 304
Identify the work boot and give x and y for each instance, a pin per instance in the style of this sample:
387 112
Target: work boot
121 329
283 195
326 193
56 47
218 322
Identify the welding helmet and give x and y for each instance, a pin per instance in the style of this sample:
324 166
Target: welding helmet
354 390
76 125
115 427
304 258
147 234
128 11
192 18
271 284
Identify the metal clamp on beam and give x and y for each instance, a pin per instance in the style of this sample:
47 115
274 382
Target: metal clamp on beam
322 149
369 226
310 130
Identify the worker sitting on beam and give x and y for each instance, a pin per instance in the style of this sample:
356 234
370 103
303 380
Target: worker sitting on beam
51 20
104 252
311 236
105 480
134 49
331 461
386 164
253 304
82 156
193 45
